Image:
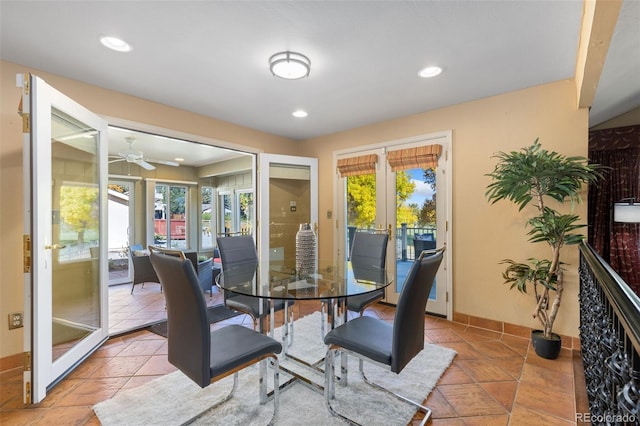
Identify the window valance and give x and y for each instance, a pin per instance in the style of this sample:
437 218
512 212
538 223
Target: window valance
361 165
423 157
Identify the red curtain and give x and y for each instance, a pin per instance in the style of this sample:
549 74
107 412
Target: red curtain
617 243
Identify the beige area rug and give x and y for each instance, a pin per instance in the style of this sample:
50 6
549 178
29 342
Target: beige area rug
173 399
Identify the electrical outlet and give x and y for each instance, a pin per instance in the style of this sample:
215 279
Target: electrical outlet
15 320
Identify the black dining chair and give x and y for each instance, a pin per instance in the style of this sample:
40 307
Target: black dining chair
203 355
239 262
368 251
392 346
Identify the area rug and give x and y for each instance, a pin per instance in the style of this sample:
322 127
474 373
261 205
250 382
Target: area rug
215 313
173 399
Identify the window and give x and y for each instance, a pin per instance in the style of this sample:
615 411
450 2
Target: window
236 211
206 217
246 211
170 216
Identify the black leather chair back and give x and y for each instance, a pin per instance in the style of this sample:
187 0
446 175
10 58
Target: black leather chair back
239 259
188 332
237 249
408 326
369 249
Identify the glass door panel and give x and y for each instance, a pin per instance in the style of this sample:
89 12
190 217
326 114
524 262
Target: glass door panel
75 225
207 239
65 192
121 210
170 217
415 220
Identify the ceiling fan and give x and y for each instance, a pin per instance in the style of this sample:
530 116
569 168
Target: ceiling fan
137 157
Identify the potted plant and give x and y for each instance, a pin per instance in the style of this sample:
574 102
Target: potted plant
535 175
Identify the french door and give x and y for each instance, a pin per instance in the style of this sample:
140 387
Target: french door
403 189
65 178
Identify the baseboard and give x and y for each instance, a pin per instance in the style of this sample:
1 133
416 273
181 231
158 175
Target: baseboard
568 342
11 362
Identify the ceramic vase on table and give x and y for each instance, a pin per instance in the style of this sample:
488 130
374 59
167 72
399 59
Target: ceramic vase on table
306 262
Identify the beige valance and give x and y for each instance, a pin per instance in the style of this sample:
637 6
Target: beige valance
422 157
353 166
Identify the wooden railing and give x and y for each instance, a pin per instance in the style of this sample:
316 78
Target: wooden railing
610 343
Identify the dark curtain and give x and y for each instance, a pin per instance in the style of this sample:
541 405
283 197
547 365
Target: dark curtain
617 243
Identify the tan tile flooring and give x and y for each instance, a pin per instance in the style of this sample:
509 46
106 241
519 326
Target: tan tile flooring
494 380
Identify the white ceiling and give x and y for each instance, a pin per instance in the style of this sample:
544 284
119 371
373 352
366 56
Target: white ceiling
211 57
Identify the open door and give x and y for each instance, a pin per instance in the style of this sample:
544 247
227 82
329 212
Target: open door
288 197
65 204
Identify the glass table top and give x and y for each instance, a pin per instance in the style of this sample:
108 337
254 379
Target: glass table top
270 281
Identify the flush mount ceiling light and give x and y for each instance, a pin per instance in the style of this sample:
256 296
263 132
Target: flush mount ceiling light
114 43
429 72
289 65
299 113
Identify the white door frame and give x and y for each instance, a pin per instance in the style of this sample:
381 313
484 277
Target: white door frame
445 218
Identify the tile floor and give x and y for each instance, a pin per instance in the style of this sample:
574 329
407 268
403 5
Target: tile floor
494 380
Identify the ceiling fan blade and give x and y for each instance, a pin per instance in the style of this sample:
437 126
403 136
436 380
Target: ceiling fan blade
116 161
144 165
165 162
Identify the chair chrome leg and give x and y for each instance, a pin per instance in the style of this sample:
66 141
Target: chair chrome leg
290 326
217 404
425 410
329 385
276 388
262 381
323 318
344 368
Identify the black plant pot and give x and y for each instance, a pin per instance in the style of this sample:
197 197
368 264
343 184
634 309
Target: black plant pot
546 348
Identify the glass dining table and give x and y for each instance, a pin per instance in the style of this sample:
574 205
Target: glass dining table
270 281
331 284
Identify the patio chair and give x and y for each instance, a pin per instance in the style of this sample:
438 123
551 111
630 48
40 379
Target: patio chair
381 343
143 271
203 355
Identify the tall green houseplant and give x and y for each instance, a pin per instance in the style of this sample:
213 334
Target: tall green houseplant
535 176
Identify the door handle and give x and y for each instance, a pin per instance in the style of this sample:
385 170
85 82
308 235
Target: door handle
54 247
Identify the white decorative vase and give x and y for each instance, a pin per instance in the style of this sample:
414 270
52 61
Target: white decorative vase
306 262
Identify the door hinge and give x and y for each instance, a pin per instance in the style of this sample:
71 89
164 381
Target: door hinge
27 393
26 122
446 298
27 361
26 84
446 226
26 253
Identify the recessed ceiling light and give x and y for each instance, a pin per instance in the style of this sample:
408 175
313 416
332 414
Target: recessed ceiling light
299 113
430 72
114 43
178 159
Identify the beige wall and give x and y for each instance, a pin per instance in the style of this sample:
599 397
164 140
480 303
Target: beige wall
482 234
102 102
